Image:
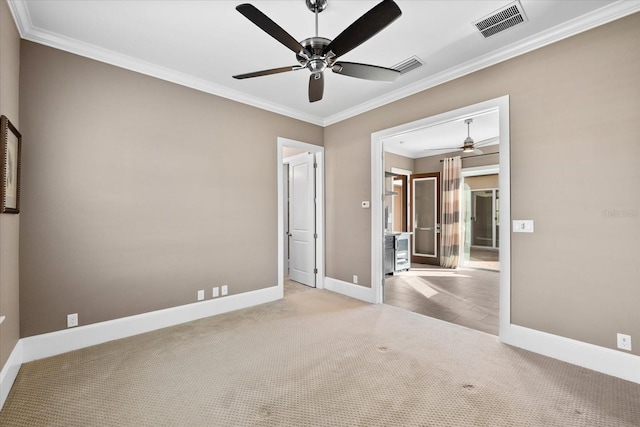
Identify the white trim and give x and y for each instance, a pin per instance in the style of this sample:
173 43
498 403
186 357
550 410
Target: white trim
28 32
377 181
349 289
600 359
377 218
401 171
54 343
9 372
319 156
480 170
578 25
320 219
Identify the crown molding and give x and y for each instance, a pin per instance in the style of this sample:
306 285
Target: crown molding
27 31
602 16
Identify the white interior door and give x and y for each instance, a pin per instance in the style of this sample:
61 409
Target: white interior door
302 219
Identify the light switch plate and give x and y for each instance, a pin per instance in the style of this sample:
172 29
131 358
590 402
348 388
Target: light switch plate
523 226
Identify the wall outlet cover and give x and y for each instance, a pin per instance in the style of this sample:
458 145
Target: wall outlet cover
201 295
624 342
216 292
225 290
72 320
355 279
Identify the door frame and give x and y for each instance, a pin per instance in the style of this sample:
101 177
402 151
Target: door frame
494 236
417 258
377 191
287 209
480 171
320 241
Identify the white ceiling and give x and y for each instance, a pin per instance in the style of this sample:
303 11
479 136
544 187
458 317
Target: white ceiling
447 137
201 44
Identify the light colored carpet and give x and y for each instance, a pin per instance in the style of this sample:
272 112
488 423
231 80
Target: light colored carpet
315 359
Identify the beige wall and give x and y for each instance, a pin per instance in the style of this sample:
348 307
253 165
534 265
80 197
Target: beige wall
575 127
9 223
392 160
138 192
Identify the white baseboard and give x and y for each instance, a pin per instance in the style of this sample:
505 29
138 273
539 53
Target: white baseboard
9 372
349 289
600 359
53 343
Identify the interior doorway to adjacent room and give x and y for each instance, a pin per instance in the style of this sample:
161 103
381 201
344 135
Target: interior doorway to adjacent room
300 213
471 294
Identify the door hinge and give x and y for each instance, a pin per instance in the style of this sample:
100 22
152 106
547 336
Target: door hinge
315 235
315 271
315 166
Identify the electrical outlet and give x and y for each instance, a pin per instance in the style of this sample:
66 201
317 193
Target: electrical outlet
216 292
624 342
355 279
72 320
225 290
201 295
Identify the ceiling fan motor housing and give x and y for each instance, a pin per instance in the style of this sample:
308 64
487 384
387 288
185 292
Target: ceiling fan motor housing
318 62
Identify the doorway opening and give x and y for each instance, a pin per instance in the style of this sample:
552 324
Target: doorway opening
481 217
432 283
300 215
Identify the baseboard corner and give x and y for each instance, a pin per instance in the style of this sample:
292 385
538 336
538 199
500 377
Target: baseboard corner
349 289
9 372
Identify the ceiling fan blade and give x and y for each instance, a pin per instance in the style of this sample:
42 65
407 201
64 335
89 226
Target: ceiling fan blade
267 72
271 28
365 71
486 142
365 27
443 150
316 87
476 151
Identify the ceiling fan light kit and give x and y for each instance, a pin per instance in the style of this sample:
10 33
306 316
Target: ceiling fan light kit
319 53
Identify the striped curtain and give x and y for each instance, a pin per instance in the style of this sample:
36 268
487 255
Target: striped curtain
450 234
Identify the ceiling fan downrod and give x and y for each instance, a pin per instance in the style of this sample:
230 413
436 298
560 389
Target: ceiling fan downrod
316 6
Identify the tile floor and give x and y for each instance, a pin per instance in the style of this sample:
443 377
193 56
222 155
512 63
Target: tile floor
465 296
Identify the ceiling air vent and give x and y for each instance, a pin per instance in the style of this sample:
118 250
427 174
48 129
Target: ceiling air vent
502 19
408 65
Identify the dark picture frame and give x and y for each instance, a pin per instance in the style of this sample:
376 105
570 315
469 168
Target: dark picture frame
10 163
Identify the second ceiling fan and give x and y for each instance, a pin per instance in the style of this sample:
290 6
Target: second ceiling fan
318 53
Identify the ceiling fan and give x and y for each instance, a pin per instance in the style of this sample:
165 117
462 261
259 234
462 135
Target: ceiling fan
318 53
469 145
